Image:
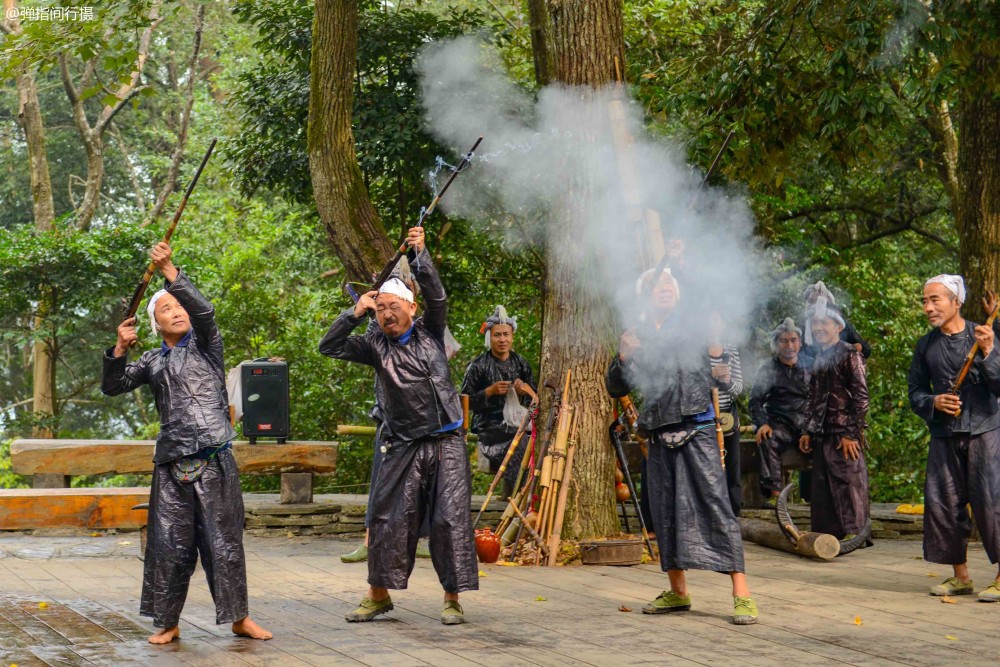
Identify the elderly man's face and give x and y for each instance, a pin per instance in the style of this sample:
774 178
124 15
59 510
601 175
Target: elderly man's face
825 330
394 315
940 305
501 339
171 317
664 295
789 345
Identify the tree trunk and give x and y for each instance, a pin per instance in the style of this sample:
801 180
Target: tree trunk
979 203
586 39
352 224
43 211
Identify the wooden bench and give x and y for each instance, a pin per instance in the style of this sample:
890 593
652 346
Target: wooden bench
51 462
791 460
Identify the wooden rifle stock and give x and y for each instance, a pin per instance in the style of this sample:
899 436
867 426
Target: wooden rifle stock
956 386
133 305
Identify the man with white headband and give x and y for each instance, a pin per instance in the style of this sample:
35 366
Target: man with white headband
499 381
195 503
963 461
834 426
425 467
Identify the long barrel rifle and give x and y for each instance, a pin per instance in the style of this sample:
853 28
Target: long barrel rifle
131 307
386 271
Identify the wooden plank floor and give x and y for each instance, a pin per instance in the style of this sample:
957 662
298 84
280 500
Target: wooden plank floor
870 608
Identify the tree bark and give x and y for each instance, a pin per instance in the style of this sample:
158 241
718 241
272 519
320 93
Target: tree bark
979 201
586 39
352 224
43 211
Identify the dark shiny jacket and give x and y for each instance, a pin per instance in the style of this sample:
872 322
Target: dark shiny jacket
419 397
838 393
780 393
936 362
672 373
485 370
188 382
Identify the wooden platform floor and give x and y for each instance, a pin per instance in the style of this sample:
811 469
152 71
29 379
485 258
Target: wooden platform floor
870 608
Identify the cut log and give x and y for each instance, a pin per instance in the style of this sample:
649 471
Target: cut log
98 457
26 509
810 545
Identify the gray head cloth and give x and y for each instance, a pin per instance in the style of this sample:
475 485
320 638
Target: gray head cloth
820 290
499 316
787 326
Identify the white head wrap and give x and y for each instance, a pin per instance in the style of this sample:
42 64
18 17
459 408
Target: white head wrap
499 316
648 275
822 310
397 287
954 283
787 326
151 310
820 290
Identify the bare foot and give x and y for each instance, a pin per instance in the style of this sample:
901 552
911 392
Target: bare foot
165 636
247 628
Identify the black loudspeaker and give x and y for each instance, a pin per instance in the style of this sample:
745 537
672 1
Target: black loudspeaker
265 400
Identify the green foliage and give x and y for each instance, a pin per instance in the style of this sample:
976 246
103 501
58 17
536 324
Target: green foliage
8 480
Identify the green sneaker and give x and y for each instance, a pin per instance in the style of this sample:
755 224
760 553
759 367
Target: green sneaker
423 549
744 611
991 593
770 503
369 609
953 586
667 602
359 555
452 613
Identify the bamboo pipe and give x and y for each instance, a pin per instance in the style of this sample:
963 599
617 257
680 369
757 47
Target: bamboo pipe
563 494
531 531
719 435
506 458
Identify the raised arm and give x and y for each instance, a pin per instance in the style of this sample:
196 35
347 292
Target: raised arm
435 316
340 344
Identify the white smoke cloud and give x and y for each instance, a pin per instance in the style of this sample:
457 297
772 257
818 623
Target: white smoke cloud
537 151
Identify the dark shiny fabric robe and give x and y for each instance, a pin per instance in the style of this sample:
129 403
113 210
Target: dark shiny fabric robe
837 407
424 472
778 398
206 516
963 461
688 495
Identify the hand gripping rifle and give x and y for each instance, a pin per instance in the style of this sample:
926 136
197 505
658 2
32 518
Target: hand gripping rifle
132 307
386 272
956 386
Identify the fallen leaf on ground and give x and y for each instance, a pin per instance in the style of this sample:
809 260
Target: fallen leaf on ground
507 564
483 574
124 544
951 637
949 600
622 607
932 574
95 534
857 620
43 605
541 599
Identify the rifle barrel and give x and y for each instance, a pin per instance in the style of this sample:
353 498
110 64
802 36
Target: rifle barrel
140 291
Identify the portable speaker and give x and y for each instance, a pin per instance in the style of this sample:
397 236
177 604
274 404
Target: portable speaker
265 400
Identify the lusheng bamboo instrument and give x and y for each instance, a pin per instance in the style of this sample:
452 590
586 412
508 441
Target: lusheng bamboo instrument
560 514
956 386
531 531
719 435
555 462
506 457
132 307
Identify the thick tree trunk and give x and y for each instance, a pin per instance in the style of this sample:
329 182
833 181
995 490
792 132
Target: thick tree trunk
352 224
979 202
586 39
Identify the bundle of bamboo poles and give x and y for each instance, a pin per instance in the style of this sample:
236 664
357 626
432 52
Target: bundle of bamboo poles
533 518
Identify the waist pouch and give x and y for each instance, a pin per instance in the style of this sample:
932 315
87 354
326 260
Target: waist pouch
678 438
189 469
